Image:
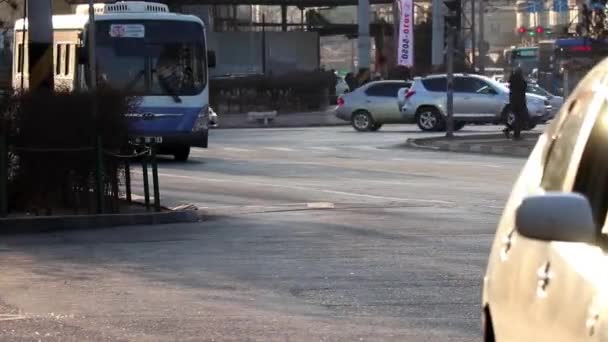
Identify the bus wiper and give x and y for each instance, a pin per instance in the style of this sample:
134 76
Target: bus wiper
167 87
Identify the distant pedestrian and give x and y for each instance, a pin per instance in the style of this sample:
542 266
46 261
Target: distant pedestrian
351 81
363 77
517 102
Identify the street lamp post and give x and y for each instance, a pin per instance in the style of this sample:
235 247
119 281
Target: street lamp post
93 88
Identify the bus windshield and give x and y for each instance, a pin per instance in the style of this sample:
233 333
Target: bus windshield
525 58
151 57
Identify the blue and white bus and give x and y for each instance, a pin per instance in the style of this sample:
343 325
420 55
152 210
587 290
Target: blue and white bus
555 55
524 57
143 50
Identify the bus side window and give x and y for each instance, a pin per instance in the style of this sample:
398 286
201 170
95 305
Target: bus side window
58 59
67 68
20 58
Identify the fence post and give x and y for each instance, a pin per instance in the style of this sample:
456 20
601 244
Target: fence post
144 165
99 174
128 181
155 179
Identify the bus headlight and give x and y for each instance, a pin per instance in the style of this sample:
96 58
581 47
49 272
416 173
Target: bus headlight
202 120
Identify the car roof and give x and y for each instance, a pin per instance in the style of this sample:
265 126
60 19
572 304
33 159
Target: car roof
460 74
388 81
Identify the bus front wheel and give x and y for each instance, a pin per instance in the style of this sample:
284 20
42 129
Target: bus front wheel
182 153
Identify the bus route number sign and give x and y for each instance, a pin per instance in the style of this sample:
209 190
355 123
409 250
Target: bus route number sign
526 53
127 31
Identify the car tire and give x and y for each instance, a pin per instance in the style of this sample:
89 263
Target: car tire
507 117
182 154
459 125
362 121
429 119
376 127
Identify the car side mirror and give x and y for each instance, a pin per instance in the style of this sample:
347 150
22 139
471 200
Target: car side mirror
211 61
558 216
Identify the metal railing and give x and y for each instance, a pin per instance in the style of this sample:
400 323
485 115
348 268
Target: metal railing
143 154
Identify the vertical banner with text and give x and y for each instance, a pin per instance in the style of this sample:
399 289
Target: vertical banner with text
405 52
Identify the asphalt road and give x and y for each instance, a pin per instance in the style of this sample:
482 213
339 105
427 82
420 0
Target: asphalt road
313 234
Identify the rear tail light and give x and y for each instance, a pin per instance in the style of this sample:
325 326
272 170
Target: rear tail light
340 101
409 94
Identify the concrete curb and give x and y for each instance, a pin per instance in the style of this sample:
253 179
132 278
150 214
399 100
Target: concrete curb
455 146
48 224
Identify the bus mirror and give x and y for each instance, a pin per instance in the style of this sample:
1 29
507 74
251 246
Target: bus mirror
82 55
211 59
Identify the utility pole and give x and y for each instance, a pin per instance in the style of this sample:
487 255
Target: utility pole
363 40
99 191
473 31
438 42
40 45
450 82
482 40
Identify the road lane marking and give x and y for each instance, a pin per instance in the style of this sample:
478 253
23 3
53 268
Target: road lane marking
282 149
236 149
323 148
309 188
10 317
320 205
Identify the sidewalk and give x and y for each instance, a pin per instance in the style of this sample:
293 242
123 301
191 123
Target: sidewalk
305 119
495 144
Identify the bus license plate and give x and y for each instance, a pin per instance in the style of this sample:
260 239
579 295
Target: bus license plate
149 140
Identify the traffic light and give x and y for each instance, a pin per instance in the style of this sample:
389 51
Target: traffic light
454 13
452 19
522 30
540 30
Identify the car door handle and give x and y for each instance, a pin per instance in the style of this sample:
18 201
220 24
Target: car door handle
368 101
544 277
467 98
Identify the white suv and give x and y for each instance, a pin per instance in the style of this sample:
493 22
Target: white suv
477 99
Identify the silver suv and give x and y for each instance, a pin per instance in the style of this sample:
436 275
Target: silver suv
477 99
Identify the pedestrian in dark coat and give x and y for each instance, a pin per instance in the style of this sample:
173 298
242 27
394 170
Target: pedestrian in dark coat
517 102
351 81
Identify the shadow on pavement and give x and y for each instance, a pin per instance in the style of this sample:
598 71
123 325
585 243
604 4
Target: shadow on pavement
362 272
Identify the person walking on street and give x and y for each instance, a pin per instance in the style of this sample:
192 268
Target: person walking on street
517 101
351 81
363 77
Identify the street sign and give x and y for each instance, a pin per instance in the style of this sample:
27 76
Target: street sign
127 31
560 5
535 6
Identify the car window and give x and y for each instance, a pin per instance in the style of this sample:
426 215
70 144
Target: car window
435 84
592 174
560 149
469 85
385 89
536 90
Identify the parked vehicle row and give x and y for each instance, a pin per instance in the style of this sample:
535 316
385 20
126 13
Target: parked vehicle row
477 100
371 105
